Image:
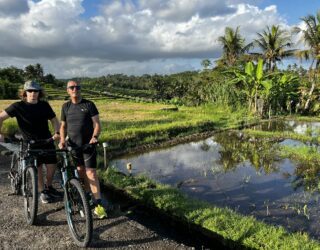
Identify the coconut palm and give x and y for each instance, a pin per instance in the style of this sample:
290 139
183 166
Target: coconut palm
233 46
273 43
205 63
311 38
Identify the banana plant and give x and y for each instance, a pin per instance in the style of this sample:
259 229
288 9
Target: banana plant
280 92
251 81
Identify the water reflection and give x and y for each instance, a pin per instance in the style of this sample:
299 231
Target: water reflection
241 172
299 127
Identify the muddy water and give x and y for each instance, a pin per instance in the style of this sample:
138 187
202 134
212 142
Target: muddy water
243 173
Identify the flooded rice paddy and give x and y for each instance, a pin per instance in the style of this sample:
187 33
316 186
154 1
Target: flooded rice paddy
233 169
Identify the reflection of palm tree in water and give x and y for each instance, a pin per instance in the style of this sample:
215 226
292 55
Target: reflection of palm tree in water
238 148
307 176
259 152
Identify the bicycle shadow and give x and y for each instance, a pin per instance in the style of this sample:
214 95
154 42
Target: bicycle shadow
43 218
100 241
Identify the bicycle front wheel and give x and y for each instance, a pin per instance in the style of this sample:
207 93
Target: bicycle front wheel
78 213
30 195
14 175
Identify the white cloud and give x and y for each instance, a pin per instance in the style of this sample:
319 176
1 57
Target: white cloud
129 36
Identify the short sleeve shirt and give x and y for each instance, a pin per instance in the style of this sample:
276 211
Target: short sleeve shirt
32 118
78 118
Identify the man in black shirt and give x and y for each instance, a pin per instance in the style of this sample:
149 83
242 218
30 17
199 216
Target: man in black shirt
80 122
32 115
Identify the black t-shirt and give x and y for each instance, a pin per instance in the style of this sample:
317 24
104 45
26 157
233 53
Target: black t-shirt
32 118
78 118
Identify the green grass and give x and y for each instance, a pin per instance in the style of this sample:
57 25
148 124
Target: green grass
279 135
303 118
132 92
238 229
306 154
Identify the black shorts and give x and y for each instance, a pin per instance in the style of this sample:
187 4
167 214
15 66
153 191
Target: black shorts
47 159
87 158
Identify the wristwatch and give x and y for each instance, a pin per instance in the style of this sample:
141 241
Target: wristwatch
95 136
57 132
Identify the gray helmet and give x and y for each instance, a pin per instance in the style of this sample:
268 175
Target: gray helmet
28 85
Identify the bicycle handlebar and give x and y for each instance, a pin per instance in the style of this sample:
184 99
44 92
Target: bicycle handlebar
42 142
65 150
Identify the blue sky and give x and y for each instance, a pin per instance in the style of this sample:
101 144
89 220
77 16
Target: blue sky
293 10
93 38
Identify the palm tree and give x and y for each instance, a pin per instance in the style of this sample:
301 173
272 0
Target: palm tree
311 38
205 63
273 43
34 72
233 46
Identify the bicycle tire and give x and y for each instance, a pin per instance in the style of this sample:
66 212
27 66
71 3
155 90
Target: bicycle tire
14 175
30 195
78 213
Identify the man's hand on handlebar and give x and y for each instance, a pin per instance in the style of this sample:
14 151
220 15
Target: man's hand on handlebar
94 140
56 137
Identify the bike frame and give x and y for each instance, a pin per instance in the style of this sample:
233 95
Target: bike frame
67 175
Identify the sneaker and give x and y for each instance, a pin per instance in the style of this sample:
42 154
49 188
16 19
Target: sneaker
45 197
100 212
54 192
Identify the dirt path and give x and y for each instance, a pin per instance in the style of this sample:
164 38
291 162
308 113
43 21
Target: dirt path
120 231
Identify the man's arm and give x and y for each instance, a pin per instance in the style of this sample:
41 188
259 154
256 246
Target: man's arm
96 129
63 128
56 126
3 116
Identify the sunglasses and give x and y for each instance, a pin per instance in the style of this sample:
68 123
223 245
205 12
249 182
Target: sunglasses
74 87
32 90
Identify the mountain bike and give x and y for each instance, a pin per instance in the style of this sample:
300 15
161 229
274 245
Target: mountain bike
77 208
23 175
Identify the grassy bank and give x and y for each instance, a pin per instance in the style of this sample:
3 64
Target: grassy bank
237 230
303 154
281 135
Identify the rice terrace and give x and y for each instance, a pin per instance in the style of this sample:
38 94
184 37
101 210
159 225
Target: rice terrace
221 153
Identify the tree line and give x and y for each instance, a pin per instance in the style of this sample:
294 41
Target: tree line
12 77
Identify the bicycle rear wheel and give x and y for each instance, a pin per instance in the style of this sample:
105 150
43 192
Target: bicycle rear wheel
14 175
31 195
78 213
